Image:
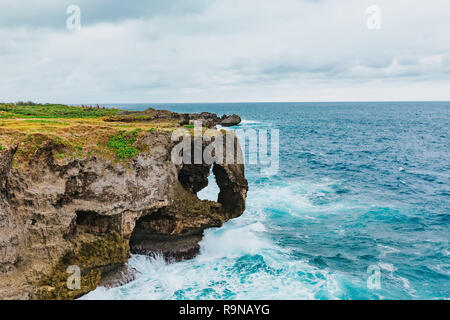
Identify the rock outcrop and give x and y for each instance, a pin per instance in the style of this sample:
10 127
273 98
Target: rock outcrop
230 121
92 212
209 119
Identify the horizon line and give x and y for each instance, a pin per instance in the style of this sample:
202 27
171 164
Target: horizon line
256 102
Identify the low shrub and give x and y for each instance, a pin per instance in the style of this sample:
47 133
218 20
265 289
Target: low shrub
123 142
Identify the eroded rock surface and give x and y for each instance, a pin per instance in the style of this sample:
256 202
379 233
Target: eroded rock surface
93 212
230 121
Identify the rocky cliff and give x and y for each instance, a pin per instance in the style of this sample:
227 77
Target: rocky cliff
92 212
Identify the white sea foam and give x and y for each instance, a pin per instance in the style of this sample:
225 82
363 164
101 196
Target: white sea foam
298 199
197 279
250 122
385 250
405 282
234 240
387 266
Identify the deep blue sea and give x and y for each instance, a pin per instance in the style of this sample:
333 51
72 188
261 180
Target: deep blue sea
361 186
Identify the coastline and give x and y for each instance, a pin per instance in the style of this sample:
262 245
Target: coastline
87 192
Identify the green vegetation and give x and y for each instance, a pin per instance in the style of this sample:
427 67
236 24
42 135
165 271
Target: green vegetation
92 256
189 126
32 110
123 142
45 122
79 132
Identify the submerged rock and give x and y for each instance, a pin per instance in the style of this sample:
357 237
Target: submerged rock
92 213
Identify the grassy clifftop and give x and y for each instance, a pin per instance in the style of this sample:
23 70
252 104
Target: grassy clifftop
81 131
42 111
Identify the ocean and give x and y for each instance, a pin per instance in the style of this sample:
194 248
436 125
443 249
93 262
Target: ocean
359 209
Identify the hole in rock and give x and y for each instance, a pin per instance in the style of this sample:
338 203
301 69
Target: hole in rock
200 179
153 235
211 192
153 224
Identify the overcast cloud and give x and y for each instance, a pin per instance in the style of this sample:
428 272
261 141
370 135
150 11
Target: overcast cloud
224 50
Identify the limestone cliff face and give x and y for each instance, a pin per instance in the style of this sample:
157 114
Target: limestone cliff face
93 212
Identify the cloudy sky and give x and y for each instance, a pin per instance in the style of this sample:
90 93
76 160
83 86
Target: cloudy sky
224 51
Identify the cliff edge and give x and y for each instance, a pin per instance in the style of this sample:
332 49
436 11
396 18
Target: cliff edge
87 193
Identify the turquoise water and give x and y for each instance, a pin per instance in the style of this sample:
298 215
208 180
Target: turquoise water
359 185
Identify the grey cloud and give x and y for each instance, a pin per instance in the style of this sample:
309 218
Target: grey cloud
214 50
52 14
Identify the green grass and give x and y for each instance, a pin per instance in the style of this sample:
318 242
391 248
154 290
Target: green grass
122 143
80 131
23 110
6 115
189 126
45 122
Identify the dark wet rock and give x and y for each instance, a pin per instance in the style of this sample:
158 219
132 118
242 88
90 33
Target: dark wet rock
233 188
194 177
230 121
118 276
